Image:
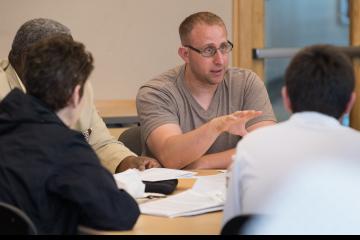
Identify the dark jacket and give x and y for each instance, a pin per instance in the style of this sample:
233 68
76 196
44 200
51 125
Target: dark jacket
51 172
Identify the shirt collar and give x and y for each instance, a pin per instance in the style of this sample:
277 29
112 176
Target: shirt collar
314 118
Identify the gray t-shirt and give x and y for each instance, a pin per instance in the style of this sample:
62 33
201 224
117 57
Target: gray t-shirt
165 99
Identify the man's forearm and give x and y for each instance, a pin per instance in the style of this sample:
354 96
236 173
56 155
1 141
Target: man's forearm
181 150
221 160
178 150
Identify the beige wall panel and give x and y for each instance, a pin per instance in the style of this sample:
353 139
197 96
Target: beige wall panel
131 40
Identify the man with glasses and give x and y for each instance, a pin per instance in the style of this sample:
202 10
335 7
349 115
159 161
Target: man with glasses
192 116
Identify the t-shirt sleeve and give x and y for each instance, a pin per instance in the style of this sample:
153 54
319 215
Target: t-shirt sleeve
155 107
83 181
256 98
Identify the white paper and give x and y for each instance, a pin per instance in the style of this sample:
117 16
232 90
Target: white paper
212 183
159 174
131 182
207 195
186 203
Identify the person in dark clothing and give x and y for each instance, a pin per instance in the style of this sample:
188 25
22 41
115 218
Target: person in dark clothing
46 169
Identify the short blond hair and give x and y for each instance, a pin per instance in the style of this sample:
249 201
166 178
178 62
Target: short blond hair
188 24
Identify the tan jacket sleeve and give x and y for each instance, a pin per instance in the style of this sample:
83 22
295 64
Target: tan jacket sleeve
8 79
4 85
110 151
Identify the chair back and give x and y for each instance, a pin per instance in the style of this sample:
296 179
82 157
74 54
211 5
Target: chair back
237 225
131 138
14 221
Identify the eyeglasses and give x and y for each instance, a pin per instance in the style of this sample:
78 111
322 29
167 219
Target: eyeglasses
210 51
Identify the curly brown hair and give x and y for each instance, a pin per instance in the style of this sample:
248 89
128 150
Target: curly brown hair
53 67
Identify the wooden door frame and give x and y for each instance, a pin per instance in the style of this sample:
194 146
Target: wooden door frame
248 33
354 30
248 28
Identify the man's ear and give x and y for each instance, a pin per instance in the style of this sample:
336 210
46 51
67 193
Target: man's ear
349 106
75 98
286 99
184 53
350 103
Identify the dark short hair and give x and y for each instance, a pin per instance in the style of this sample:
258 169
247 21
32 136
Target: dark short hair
320 78
53 67
189 23
31 32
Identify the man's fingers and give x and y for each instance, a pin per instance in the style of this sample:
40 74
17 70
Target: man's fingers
153 164
150 163
138 163
141 165
246 115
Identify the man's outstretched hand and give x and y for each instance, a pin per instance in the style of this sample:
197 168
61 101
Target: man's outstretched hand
235 123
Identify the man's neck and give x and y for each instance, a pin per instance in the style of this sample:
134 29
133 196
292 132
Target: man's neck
66 117
201 91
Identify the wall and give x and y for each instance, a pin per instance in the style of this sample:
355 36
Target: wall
131 40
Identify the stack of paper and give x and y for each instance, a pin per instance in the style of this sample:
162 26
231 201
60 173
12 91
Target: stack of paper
187 203
159 174
212 183
207 195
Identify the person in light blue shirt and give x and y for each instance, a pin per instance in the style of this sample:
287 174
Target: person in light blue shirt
318 198
319 91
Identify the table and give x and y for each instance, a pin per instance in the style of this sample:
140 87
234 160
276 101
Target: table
205 224
117 112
